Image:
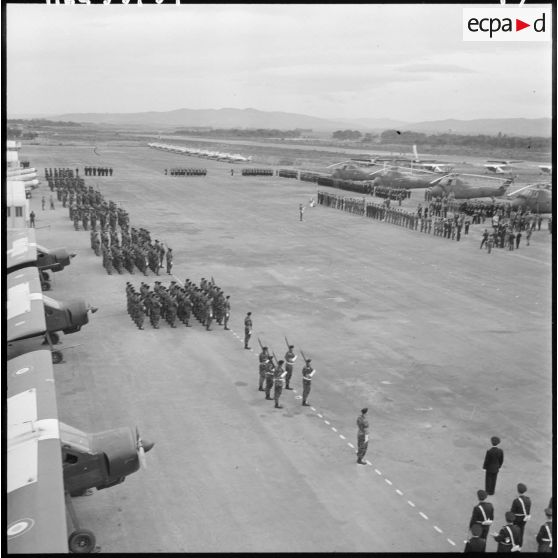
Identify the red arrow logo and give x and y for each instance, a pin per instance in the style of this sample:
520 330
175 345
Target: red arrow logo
519 25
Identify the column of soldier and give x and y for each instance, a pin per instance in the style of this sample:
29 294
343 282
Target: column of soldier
272 374
422 220
98 171
58 178
206 302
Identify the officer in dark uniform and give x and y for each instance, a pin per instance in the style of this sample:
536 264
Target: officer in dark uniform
476 543
508 536
493 460
290 358
169 260
307 373
521 508
247 329
362 436
544 536
483 515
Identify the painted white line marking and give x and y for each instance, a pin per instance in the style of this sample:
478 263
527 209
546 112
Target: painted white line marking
368 463
334 429
342 437
350 445
399 492
438 529
410 503
378 472
423 515
313 409
451 542
326 421
388 481
321 416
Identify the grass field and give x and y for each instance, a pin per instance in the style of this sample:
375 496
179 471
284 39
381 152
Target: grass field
445 344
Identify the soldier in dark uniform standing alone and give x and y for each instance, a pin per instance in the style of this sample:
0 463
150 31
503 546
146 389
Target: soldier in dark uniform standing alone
362 436
493 460
247 329
227 309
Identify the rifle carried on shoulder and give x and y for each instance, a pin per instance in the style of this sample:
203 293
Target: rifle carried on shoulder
287 342
261 346
302 353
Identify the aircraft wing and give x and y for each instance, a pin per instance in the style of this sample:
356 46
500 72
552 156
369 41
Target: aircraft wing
36 521
26 314
22 248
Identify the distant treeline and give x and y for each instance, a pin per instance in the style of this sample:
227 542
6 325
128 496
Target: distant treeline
391 137
39 122
242 132
18 133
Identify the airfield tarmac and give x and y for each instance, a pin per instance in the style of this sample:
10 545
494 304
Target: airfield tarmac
445 344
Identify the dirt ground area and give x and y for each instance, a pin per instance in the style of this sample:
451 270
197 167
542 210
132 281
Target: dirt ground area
445 344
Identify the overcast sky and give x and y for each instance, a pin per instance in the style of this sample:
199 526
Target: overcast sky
406 62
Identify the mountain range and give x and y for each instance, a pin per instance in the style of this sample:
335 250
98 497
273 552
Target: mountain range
253 118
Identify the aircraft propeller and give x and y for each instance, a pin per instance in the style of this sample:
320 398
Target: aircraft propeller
142 447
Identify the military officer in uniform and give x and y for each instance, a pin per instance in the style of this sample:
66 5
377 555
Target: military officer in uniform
307 373
269 375
544 536
290 358
278 379
247 329
508 536
476 543
362 436
263 358
521 507
493 460
227 311
483 515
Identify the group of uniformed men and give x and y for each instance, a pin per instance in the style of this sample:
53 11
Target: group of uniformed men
98 171
206 302
273 375
186 172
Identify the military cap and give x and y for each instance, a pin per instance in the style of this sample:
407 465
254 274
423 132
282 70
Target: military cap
481 494
364 411
521 488
548 512
291 346
264 348
308 360
249 313
279 362
495 440
510 516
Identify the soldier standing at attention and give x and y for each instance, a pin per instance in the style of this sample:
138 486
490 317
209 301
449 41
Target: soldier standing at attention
544 536
508 536
307 373
278 381
362 436
521 508
263 358
227 309
301 211
493 460
269 375
290 358
483 515
247 329
169 260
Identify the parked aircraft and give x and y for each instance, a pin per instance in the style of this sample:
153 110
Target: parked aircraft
499 167
535 197
23 251
467 186
34 318
49 462
204 153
